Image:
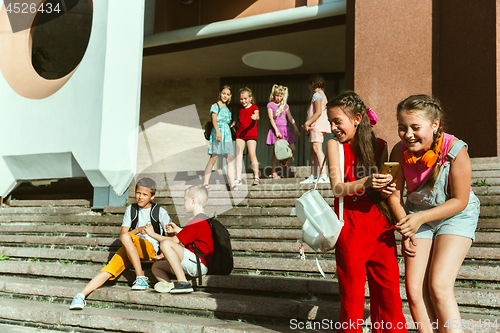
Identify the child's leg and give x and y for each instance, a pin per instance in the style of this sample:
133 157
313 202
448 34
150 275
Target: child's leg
160 270
292 147
230 170
274 160
386 307
314 160
240 148
252 146
96 282
174 253
208 169
132 253
416 275
447 257
320 156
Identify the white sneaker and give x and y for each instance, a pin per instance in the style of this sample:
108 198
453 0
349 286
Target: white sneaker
309 180
323 179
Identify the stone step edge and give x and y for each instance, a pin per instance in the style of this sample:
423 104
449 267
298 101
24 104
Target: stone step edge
50 203
120 320
249 265
472 297
52 313
229 304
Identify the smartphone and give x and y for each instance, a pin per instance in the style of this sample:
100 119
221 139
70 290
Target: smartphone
390 168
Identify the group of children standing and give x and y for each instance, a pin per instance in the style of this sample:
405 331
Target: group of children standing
278 111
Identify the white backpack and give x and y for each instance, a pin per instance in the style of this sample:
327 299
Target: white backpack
283 152
321 226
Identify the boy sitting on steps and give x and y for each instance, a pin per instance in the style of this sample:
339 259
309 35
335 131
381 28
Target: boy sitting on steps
180 259
136 244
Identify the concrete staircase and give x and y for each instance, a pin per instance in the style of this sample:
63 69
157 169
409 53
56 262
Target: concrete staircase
55 246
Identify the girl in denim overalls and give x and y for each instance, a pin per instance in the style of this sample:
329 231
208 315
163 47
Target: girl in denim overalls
440 215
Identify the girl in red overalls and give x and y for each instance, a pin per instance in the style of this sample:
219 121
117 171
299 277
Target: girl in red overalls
366 246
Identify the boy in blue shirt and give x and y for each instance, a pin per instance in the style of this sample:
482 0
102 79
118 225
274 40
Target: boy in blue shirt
136 244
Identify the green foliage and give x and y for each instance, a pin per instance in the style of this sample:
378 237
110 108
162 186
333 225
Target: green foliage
3 257
286 274
482 183
35 259
65 261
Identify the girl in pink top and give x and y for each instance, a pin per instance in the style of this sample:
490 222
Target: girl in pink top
440 213
278 111
316 127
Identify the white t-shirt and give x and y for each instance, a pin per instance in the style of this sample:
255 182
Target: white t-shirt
145 218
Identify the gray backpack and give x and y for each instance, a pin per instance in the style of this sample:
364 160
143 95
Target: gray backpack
283 152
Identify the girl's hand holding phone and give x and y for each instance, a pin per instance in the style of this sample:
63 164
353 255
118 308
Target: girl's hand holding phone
387 191
378 181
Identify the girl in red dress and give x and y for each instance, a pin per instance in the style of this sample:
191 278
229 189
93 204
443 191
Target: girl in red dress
247 134
366 246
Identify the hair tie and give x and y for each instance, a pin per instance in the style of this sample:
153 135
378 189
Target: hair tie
372 116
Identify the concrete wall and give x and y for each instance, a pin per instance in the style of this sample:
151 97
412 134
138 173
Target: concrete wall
163 96
389 56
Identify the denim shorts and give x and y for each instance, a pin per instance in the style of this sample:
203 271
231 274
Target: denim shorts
462 224
189 264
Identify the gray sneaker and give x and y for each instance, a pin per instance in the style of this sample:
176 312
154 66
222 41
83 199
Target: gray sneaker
182 287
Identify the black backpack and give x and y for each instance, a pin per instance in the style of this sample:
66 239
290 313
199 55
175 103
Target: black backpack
154 215
222 258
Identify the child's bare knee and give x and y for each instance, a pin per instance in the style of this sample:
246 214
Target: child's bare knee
125 237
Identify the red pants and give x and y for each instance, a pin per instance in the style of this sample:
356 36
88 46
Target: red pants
366 247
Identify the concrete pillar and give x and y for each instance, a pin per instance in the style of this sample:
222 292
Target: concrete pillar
443 48
389 56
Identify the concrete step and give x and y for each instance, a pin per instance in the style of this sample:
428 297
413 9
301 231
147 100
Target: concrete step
210 304
485 163
87 218
99 249
486 211
234 284
44 210
60 229
45 314
50 203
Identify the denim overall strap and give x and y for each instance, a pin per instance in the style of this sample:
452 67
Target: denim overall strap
452 154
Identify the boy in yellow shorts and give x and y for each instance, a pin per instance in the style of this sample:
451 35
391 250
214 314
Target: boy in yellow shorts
136 244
